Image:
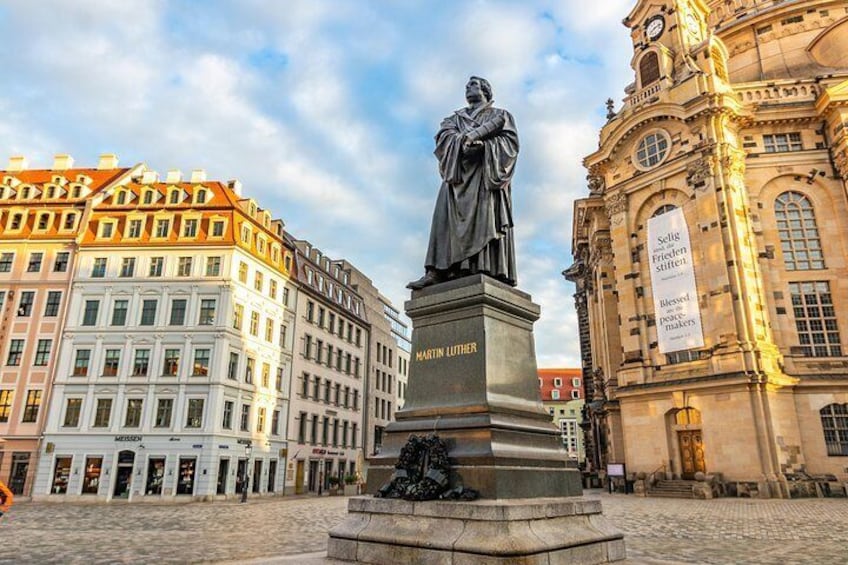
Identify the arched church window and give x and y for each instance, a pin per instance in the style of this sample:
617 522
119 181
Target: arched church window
719 64
799 234
649 68
663 209
834 419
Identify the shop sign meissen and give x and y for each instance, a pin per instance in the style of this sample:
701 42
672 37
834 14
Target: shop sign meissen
676 308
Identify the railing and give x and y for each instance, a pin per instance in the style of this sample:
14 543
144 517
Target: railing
644 94
652 477
777 92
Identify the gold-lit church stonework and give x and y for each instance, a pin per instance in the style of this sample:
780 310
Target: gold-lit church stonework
727 163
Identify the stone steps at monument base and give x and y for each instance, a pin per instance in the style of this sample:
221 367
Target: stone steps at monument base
672 489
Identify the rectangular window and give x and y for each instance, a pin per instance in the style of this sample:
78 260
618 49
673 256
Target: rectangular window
73 408
111 362
103 413
16 349
164 408
207 312
242 273
134 229
310 311
815 319
148 312
178 312
5 404
163 227
134 411
280 375
260 420
227 422
283 332
54 300
60 265
201 362
266 375
218 228
89 315
141 363
127 267
6 260
272 289
32 406
213 266
194 417
782 142
156 266
25 304
34 265
119 312
275 423
42 352
232 366
269 330
184 267
107 229
238 316
172 363
248 370
301 428
286 296
353 436
258 280
190 228
98 268
313 436
81 361
254 323
245 418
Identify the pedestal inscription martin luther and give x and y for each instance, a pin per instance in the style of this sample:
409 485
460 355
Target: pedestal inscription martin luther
477 148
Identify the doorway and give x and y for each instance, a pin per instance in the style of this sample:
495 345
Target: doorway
155 475
691 453
123 475
313 476
272 475
223 468
241 475
257 475
299 473
18 476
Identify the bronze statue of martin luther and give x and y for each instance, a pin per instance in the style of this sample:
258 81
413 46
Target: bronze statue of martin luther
477 147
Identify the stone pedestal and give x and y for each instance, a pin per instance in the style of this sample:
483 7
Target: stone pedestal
473 380
541 531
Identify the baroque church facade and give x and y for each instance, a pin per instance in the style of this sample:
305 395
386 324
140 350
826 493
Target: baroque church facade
710 254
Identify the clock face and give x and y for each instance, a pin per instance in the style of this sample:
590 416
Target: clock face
654 27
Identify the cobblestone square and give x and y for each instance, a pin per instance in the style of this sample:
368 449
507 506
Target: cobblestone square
294 530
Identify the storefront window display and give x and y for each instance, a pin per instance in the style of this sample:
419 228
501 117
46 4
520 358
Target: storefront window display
61 474
91 475
185 479
155 475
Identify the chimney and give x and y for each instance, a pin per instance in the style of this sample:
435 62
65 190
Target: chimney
17 163
62 162
107 161
198 176
174 176
149 177
235 186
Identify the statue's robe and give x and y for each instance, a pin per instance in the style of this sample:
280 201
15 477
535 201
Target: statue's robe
472 221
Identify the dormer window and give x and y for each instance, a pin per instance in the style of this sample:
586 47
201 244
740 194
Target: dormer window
649 69
190 228
148 197
174 197
121 198
43 222
17 220
245 234
25 193
107 229
51 192
75 193
70 221
200 196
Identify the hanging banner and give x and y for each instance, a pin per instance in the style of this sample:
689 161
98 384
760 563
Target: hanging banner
678 316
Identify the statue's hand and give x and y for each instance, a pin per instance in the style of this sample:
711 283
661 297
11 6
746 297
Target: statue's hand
471 148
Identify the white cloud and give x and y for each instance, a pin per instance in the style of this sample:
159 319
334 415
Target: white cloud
326 110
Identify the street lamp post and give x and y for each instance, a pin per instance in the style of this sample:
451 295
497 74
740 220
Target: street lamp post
247 450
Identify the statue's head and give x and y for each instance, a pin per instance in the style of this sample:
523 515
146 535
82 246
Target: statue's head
478 86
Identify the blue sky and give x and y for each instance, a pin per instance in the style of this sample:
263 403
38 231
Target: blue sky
326 111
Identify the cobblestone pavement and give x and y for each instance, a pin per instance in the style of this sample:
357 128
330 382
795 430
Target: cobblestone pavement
294 530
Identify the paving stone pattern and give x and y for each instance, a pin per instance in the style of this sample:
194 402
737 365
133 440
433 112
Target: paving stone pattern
294 530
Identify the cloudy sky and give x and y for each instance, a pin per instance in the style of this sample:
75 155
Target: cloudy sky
326 110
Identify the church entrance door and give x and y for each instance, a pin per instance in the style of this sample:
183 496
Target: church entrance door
691 453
